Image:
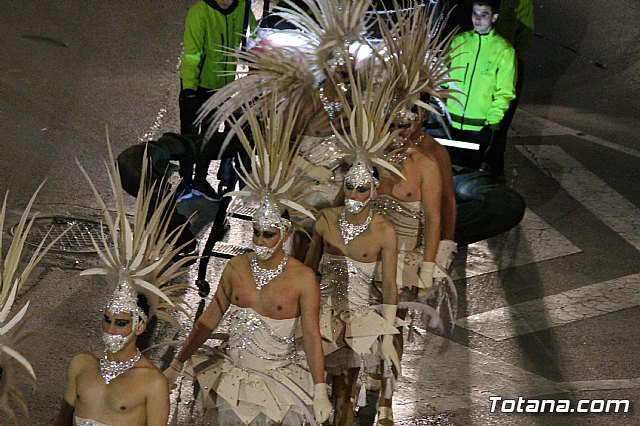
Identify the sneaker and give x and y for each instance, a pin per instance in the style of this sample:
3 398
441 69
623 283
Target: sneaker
204 190
183 192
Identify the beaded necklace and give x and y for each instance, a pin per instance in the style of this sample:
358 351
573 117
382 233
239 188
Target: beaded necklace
109 370
349 231
264 276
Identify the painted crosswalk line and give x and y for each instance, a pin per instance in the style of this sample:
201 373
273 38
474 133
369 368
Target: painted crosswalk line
593 193
557 309
533 240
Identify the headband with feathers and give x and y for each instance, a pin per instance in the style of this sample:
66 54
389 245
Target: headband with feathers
12 329
271 181
138 258
416 56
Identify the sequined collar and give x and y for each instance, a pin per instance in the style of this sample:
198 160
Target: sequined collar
349 231
263 276
109 370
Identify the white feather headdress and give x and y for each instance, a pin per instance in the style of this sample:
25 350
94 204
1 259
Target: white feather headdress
416 55
12 329
138 257
290 71
271 182
370 108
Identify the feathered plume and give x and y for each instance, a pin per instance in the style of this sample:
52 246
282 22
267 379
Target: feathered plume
330 27
141 254
13 364
272 176
289 70
416 55
286 70
370 109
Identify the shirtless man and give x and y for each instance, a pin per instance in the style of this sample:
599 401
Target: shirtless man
266 287
116 385
350 241
420 192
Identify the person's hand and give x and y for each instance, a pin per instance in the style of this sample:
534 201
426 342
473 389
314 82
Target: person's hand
426 276
321 405
172 372
447 250
389 352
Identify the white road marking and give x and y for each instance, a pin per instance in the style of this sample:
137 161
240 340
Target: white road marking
449 376
533 240
528 124
613 209
557 309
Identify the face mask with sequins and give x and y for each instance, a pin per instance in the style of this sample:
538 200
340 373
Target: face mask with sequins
264 253
115 342
354 206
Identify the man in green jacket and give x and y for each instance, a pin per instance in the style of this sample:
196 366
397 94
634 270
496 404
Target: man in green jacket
212 27
516 25
484 65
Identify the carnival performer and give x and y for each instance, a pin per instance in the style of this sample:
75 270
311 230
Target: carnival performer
15 368
349 243
309 66
419 67
116 384
259 378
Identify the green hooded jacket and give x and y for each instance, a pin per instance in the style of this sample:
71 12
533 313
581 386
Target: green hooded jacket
485 69
208 29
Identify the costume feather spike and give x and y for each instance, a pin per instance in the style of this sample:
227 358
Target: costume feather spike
370 109
330 26
141 254
416 55
13 363
284 70
271 177
290 71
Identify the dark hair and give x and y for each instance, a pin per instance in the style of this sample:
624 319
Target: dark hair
143 304
493 4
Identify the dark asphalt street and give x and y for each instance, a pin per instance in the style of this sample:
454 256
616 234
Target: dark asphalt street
549 310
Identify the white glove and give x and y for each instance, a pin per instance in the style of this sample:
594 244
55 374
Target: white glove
447 250
426 276
321 405
389 351
317 173
172 372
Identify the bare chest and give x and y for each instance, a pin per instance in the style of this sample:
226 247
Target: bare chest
363 248
403 189
278 299
123 396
